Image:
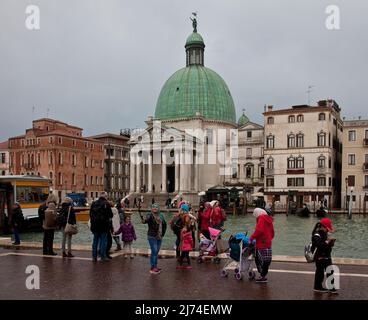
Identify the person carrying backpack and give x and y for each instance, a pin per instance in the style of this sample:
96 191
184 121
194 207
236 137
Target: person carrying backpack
322 244
100 215
49 225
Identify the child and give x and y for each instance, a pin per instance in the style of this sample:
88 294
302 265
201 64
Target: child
186 245
322 257
127 235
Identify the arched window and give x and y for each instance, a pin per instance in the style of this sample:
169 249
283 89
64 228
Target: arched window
321 139
270 142
291 119
291 140
300 162
321 117
270 163
291 162
249 171
321 161
300 118
300 140
270 120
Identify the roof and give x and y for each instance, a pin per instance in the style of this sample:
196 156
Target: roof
57 121
194 38
4 145
243 120
195 89
110 135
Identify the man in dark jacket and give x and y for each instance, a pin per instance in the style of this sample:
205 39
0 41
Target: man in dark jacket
100 215
16 222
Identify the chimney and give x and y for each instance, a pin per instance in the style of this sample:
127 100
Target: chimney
269 108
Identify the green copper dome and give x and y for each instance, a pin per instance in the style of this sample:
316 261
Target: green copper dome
194 38
193 89
243 120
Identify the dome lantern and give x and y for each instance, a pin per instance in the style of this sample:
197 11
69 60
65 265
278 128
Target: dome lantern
194 46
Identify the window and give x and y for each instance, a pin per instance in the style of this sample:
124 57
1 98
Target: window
60 178
3 158
366 158
351 159
51 140
270 182
60 140
300 162
209 136
270 120
92 163
248 172
51 160
291 141
270 142
366 134
300 118
91 181
60 158
74 143
321 181
291 163
249 134
321 139
74 160
365 181
38 159
351 181
300 140
51 176
270 163
352 135
85 180
249 153
74 180
321 117
291 119
86 161
295 182
321 162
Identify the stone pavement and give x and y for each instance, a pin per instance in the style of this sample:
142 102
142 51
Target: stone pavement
120 278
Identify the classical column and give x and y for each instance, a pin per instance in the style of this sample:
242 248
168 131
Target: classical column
182 171
196 177
138 181
177 180
149 172
132 173
164 172
188 166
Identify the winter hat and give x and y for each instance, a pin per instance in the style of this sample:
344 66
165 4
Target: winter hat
326 222
185 207
212 203
259 212
103 194
155 205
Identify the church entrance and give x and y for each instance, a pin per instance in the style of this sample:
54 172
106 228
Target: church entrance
170 178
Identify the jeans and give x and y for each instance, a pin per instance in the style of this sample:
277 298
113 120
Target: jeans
65 238
177 243
321 266
108 243
99 239
48 241
16 236
155 248
127 248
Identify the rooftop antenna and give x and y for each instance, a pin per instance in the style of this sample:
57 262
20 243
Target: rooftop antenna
33 111
47 112
309 92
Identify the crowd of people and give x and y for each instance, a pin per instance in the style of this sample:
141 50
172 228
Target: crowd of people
109 222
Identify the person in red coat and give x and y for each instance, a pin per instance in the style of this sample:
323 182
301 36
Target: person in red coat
204 220
217 216
186 245
263 236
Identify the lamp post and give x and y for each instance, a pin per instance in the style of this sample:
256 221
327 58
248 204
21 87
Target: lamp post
351 203
346 194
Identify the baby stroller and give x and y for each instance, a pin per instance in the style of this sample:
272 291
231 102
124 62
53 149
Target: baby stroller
208 247
241 256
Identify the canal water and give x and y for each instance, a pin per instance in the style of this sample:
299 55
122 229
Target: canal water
292 233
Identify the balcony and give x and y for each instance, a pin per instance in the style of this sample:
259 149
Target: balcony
321 170
295 171
29 166
365 142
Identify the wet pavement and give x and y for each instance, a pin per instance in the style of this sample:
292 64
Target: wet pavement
120 278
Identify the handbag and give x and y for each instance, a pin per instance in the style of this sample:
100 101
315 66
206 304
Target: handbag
70 228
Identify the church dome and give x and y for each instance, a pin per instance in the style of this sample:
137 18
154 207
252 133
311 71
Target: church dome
195 89
243 120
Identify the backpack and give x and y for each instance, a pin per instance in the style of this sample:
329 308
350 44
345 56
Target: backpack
97 213
310 251
176 224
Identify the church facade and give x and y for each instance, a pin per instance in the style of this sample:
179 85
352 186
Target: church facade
193 142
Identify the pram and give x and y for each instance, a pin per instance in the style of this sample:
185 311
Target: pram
240 257
209 247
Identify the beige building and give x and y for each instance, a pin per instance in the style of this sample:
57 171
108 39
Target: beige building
355 164
4 158
302 154
116 176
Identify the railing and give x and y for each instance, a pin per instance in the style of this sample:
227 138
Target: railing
321 170
269 172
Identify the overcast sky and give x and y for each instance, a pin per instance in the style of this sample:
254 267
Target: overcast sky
101 64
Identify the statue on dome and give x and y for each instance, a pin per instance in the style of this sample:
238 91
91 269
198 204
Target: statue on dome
194 21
